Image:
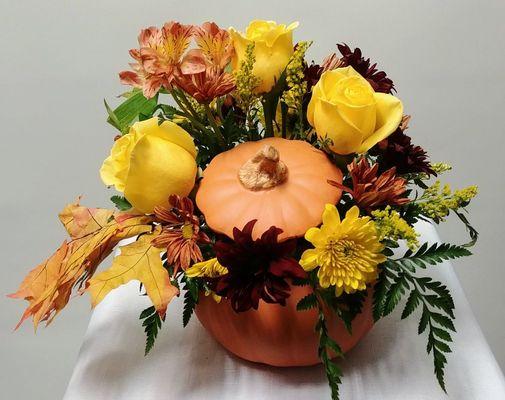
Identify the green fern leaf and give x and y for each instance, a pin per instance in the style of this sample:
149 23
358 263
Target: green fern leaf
307 302
432 255
381 288
152 324
423 322
413 302
395 293
190 299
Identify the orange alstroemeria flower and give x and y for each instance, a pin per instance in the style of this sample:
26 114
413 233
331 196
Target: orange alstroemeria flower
166 49
202 81
201 73
215 43
159 54
139 77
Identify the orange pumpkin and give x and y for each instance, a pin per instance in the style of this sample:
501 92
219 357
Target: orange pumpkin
277 335
276 181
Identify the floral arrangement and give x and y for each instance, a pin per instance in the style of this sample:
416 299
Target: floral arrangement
247 174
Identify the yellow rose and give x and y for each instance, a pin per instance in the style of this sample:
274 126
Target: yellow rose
345 109
273 48
150 163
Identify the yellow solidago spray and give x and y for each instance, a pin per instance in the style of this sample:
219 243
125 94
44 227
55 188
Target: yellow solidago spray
437 202
297 86
391 226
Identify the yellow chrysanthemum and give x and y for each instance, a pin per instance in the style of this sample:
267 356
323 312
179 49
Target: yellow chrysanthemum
209 269
347 252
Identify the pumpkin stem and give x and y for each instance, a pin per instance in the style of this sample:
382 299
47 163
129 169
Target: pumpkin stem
264 171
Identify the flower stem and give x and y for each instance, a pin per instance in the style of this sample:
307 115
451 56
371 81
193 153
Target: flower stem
269 108
187 114
284 113
213 123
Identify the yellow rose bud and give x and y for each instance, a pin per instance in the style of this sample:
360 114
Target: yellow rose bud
150 163
273 48
345 108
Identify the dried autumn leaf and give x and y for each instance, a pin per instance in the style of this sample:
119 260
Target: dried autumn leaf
94 232
80 221
140 261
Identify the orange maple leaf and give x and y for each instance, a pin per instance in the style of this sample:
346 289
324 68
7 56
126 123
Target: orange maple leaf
141 261
94 233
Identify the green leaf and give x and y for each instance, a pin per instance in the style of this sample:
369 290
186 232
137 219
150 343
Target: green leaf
148 311
169 112
307 302
425 319
413 302
442 334
395 293
381 289
121 203
326 346
231 130
442 346
432 255
152 323
189 307
444 321
347 306
474 235
438 306
300 281
439 362
113 119
129 110
190 299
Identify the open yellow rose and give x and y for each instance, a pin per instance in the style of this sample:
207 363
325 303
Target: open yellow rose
345 109
150 163
273 48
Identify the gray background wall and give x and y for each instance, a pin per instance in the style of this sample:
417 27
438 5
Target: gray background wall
59 59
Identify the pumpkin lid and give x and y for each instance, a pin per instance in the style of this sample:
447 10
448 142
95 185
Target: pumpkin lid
276 181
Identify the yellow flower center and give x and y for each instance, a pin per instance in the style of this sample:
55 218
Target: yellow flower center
187 231
346 264
340 249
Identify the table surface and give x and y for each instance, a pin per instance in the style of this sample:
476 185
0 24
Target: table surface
390 363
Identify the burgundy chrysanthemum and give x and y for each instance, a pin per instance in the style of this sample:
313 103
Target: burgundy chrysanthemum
257 269
378 79
398 151
312 73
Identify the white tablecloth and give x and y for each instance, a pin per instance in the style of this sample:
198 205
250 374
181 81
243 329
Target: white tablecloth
390 363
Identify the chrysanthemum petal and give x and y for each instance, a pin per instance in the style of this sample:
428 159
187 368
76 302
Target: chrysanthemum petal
331 216
315 236
308 261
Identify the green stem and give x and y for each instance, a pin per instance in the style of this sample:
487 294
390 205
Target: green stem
284 114
269 109
186 114
343 161
300 118
187 103
213 123
219 106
